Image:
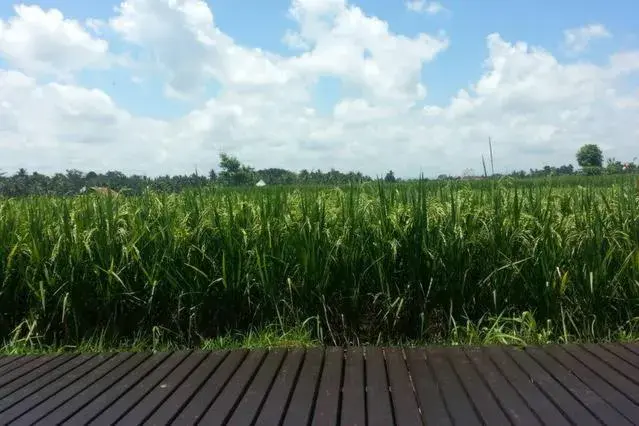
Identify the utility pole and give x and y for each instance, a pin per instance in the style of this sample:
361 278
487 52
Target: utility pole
492 166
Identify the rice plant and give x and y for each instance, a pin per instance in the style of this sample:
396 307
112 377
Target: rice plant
371 263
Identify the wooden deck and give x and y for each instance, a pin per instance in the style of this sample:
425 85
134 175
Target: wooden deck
553 385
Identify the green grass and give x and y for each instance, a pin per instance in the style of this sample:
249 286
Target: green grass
457 262
518 331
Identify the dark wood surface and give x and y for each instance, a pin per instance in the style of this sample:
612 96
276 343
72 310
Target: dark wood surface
496 385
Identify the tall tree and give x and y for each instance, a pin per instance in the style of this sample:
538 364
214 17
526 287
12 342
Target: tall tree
235 173
590 155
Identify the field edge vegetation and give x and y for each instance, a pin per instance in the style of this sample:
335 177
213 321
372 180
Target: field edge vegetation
535 261
517 331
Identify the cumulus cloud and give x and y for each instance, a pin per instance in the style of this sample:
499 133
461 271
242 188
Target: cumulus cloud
183 40
178 35
578 39
530 103
335 37
423 6
51 127
537 109
44 42
343 41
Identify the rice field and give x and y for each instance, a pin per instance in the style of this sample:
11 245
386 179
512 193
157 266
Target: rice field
554 259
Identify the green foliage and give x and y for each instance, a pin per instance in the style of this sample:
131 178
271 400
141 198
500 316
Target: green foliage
276 176
390 177
592 170
550 171
234 173
615 167
590 155
368 263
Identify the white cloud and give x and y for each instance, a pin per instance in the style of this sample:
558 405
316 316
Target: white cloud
335 38
178 36
578 39
182 38
294 41
344 42
537 109
625 62
533 105
423 6
52 127
43 42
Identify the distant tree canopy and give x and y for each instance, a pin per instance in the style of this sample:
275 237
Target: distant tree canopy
233 173
553 171
589 155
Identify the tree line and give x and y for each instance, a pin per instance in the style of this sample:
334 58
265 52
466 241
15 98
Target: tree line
232 172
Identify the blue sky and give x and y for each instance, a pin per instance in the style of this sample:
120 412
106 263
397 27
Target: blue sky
261 24
326 104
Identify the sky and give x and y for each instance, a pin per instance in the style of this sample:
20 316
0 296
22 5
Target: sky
161 87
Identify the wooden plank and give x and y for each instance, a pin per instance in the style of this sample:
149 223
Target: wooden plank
625 368
461 407
156 395
93 396
429 397
183 393
617 380
585 395
569 384
480 394
535 399
572 408
12 374
9 396
632 347
128 392
224 405
593 381
8 359
354 388
107 395
35 393
623 353
378 400
330 388
211 388
274 407
300 407
64 403
17 363
37 373
248 408
404 401
510 401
